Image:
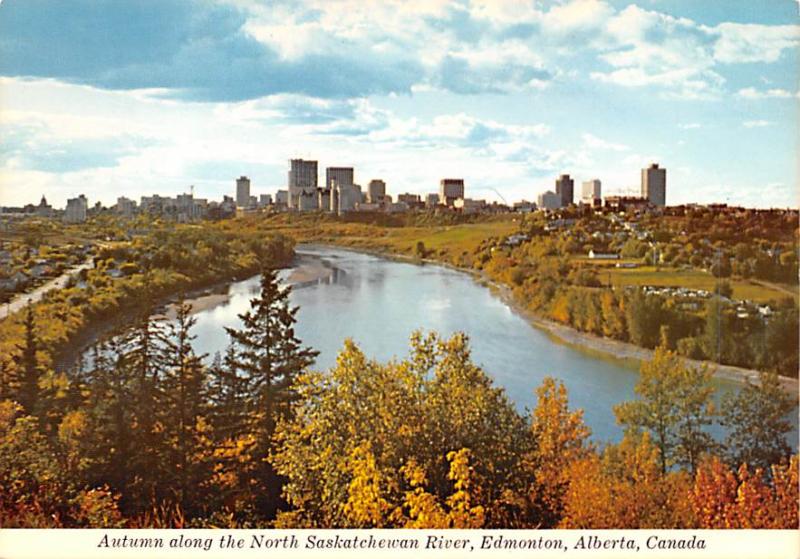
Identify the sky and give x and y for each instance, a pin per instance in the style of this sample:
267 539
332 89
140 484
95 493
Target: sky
116 98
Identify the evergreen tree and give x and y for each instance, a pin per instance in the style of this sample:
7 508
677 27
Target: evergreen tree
184 385
145 354
757 419
27 366
270 356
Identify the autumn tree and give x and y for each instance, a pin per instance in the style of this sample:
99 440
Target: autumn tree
357 428
757 418
270 357
741 498
675 407
561 439
624 488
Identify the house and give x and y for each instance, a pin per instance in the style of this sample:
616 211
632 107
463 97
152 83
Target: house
602 255
14 282
39 270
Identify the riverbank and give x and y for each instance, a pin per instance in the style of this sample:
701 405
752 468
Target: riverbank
580 340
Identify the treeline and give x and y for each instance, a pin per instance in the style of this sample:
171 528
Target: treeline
148 434
548 282
153 266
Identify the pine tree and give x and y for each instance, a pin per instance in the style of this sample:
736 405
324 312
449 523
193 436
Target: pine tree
27 366
184 385
270 356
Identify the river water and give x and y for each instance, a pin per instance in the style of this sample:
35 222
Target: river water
379 303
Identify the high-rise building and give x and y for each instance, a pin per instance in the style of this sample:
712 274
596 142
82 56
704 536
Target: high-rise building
76 209
302 180
343 176
654 185
376 190
565 188
125 206
548 200
450 190
431 200
242 192
590 192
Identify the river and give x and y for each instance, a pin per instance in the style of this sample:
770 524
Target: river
379 302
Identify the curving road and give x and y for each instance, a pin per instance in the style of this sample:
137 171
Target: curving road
21 301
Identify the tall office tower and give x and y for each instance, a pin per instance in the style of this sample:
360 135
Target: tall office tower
565 188
548 200
590 194
343 176
376 191
76 209
242 192
654 185
302 180
450 190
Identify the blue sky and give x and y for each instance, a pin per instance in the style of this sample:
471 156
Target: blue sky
133 97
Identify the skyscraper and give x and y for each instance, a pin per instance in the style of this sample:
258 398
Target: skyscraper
76 209
242 192
343 176
654 185
302 180
450 190
376 191
565 188
590 192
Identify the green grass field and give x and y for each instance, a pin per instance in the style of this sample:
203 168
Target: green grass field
692 279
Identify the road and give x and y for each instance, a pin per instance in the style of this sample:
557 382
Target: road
21 301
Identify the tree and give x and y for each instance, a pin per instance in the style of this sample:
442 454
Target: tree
27 367
757 420
561 439
185 402
270 357
380 436
675 406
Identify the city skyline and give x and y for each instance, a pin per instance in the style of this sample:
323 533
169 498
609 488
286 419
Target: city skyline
505 95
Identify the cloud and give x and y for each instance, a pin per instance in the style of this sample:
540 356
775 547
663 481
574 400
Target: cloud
756 123
753 93
690 126
598 143
745 43
197 50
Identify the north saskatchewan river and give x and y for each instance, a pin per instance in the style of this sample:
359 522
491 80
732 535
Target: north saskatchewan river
379 302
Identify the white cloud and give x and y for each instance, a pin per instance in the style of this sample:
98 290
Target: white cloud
753 93
756 123
598 143
740 43
690 126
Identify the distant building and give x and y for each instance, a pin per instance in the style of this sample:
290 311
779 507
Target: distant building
450 190
565 188
343 197
125 207
76 209
376 190
282 197
548 200
603 255
44 209
243 192
431 200
265 200
343 176
524 206
591 193
654 185
302 179
468 205
626 203
410 199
